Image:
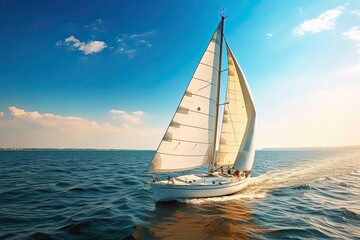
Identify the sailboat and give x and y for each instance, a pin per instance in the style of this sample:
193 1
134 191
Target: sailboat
191 138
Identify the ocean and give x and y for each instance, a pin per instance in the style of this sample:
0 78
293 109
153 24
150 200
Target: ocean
102 195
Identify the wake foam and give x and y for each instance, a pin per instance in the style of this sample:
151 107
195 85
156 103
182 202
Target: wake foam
304 174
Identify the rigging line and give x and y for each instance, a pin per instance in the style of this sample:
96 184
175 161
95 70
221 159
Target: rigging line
204 87
204 80
225 39
176 146
194 147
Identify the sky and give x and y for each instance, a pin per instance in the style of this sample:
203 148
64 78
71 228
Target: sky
110 74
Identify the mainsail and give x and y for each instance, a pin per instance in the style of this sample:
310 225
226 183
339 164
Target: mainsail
189 140
236 147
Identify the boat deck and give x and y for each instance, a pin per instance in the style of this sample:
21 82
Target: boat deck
202 179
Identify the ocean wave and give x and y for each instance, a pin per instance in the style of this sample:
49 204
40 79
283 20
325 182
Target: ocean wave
298 233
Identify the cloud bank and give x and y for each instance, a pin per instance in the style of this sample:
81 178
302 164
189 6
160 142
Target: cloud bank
127 118
34 129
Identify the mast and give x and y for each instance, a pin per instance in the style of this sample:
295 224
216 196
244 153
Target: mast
212 167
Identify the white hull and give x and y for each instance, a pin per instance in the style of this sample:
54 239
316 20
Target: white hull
204 186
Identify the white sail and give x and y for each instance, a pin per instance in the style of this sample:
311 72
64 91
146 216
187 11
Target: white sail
189 139
236 147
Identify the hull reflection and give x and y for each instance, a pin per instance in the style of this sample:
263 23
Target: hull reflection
173 220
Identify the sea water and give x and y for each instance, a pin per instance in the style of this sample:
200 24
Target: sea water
102 195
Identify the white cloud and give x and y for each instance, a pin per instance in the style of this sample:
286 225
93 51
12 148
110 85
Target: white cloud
144 42
129 52
129 44
127 118
34 129
324 21
59 43
269 34
144 34
354 35
95 26
91 47
356 12
87 48
99 20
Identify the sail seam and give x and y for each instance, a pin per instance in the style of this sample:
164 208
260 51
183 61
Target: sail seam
235 99
236 121
190 141
201 113
212 52
234 91
194 94
209 66
238 114
182 155
226 144
232 133
197 127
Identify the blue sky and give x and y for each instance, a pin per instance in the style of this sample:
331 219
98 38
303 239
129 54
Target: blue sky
109 74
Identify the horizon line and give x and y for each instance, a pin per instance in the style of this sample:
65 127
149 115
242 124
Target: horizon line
133 149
